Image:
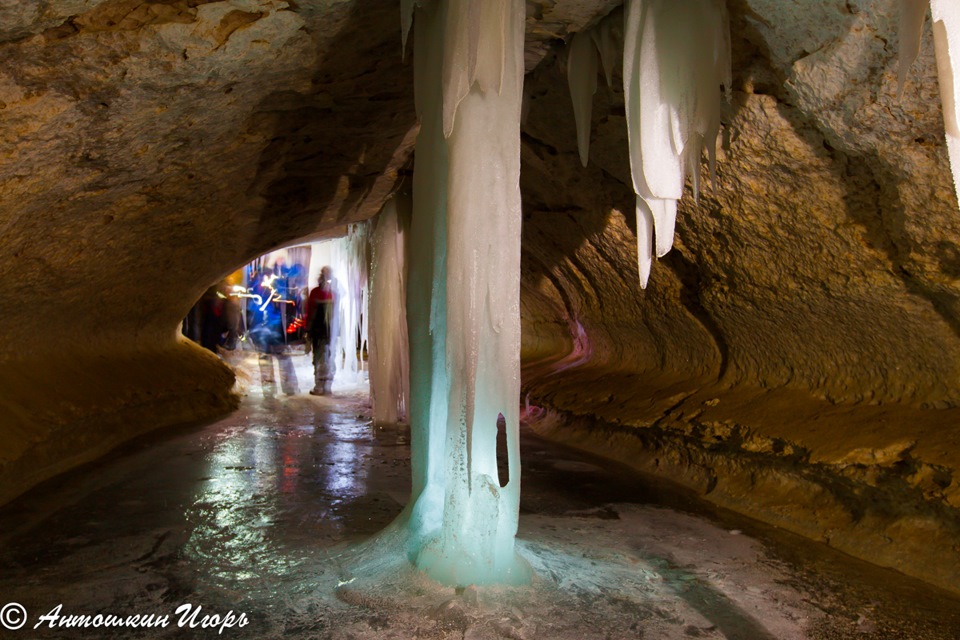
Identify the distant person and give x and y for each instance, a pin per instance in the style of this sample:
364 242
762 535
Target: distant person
266 327
212 321
268 335
321 320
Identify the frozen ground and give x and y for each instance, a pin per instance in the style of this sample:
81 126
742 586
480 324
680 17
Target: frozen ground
272 512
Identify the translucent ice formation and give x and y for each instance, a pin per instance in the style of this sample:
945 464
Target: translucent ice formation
347 256
353 304
608 36
675 59
387 343
588 49
463 300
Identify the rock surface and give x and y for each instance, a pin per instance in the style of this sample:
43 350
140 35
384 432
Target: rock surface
796 356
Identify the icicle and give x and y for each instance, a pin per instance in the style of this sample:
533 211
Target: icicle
457 68
606 36
691 158
946 40
582 78
659 163
723 56
644 240
468 57
406 21
388 345
663 213
913 13
674 62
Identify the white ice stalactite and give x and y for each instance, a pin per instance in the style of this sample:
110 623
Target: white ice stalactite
586 52
946 42
582 65
466 236
387 342
608 36
675 59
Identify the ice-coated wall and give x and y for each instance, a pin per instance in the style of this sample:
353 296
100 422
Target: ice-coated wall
388 344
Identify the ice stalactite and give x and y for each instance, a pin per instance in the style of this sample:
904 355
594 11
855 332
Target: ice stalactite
464 293
582 65
387 341
588 49
946 42
675 60
608 36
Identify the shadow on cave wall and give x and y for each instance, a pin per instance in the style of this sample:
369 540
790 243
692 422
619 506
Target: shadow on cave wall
874 204
871 198
567 205
328 147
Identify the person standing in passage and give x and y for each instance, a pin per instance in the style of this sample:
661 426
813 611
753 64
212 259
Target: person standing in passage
321 322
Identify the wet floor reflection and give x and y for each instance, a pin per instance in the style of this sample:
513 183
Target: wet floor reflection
252 512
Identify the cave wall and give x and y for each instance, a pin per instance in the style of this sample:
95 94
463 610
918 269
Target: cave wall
793 358
147 149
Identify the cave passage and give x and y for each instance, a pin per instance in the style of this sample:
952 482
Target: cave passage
259 513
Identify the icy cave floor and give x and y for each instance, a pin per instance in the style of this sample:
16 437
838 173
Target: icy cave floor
270 512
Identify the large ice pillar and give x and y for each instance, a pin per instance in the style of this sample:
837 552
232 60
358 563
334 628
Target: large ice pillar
427 288
387 333
676 57
464 294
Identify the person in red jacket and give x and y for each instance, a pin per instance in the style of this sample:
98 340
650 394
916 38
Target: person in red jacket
321 321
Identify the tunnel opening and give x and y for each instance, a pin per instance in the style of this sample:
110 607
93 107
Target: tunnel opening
267 308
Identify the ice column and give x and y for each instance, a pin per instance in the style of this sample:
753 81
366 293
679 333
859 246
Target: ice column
675 58
387 341
946 41
465 369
